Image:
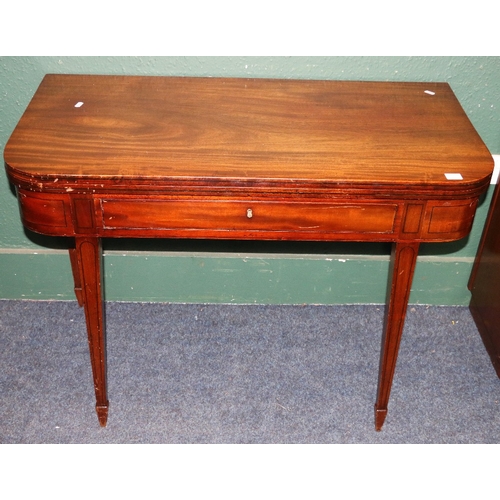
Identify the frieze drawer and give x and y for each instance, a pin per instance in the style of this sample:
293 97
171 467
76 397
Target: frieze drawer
247 215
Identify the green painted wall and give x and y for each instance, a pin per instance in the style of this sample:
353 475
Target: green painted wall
35 267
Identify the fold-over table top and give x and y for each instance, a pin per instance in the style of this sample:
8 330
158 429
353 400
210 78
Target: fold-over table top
239 130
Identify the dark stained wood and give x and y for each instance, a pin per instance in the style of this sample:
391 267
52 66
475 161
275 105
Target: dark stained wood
249 216
88 253
77 279
246 129
246 159
484 283
403 261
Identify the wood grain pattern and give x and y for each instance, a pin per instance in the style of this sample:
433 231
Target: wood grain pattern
246 159
249 215
403 261
88 256
246 129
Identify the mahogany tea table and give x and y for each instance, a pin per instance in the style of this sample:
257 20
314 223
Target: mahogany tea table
250 159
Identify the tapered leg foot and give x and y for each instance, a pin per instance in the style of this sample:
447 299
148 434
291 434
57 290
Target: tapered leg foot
403 260
380 415
87 256
102 414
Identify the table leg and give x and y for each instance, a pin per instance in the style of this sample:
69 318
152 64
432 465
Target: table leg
73 257
86 260
403 260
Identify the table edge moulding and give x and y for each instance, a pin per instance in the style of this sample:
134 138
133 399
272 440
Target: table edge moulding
97 156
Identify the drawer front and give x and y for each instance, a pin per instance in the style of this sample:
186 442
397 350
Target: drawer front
219 215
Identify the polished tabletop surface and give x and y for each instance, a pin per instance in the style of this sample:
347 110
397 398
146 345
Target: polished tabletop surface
246 130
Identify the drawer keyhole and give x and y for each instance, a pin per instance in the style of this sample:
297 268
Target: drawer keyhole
249 213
